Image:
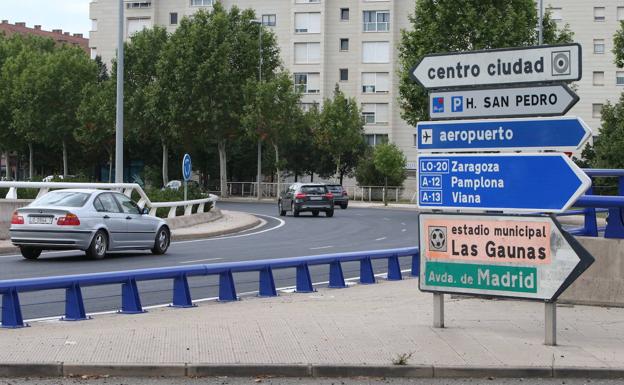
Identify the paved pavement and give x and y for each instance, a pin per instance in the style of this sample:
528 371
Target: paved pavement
333 332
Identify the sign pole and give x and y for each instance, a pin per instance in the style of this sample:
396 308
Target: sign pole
185 190
438 310
550 323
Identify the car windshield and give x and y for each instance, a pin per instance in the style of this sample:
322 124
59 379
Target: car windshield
62 199
335 188
313 189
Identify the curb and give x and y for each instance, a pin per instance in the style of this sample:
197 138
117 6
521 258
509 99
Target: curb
216 233
60 369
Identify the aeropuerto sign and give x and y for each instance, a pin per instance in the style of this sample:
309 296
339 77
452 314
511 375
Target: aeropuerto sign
501 102
510 256
555 63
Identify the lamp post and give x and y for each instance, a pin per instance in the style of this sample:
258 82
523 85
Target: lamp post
120 108
259 176
541 22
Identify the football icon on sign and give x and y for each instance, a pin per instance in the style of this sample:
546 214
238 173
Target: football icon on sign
437 238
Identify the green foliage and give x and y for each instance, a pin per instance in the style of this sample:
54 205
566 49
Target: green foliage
451 25
618 45
390 162
367 174
609 146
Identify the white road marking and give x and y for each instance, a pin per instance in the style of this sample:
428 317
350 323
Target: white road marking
381 239
281 223
403 230
321 247
386 219
285 289
403 224
202 260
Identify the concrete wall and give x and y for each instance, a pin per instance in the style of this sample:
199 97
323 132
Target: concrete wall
6 210
603 283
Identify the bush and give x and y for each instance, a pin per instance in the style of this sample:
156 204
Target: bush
168 195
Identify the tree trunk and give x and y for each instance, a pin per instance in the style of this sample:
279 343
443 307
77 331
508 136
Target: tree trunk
31 165
312 177
277 169
222 168
385 192
337 166
65 171
341 177
165 163
296 175
6 163
110 166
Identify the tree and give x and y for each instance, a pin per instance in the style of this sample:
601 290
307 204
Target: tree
272 113
340 132
451 25
390 162
609 145
206 65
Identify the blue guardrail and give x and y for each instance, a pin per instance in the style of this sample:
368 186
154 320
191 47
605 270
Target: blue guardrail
131 300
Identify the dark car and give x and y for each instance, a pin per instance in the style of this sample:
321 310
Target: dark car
341 198
311 197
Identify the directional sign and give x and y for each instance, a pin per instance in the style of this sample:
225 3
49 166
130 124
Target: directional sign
186 167
560 133
548 182
556 63
502 102
507 256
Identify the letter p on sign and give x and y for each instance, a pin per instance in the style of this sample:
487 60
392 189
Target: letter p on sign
457 103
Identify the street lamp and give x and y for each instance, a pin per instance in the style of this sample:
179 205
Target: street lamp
120 108
259 176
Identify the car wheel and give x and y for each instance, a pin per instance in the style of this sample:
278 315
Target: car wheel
281 210
315 213
99 245
294 210
329 213
30 252
162 242
343 205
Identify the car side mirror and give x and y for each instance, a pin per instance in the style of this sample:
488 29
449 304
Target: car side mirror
144 211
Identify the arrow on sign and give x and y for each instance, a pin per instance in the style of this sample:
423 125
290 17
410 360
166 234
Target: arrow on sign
554 63
502 102
548 182
528 257
560 133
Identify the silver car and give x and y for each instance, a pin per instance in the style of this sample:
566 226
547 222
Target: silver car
95 221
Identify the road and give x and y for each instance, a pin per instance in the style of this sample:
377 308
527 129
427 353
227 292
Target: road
354 229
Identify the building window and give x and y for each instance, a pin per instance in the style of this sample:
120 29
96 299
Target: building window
344 14
375 139
599 14
308 83
269 20
307 53
376 21
308 22
201 3
375 52
137 24
375 82
599 46
139 4
344 74
598 78
344 44
93 25
596 110
555 14
375 113
93 53
619 78
173 18
620 13
308 106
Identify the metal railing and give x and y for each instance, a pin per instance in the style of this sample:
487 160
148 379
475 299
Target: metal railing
126 188
181 297
591 205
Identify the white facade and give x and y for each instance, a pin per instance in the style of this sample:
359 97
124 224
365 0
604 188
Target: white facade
354 43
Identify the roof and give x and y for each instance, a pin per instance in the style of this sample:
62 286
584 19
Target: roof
57 34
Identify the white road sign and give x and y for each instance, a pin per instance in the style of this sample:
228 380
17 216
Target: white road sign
556 63
502 102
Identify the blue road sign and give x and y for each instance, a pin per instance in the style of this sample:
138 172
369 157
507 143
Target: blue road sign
560 133
547 182
186 167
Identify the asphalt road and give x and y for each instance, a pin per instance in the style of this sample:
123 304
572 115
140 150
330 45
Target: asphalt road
354 229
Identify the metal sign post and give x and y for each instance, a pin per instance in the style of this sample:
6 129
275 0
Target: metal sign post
186 172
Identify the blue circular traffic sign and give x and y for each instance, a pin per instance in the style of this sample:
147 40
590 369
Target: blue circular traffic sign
186 167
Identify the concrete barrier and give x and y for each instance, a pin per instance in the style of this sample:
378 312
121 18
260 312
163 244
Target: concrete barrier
603 283
6 210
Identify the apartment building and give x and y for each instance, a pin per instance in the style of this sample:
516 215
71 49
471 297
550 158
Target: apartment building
354 43
56 34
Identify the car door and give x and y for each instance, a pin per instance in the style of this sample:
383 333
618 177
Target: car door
141 228
288 197
112 217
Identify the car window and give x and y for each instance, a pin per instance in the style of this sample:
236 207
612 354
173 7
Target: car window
109 204
62 199
97 204
313 189
127 205
335 188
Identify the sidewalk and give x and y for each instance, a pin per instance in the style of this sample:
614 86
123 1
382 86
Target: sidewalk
331 333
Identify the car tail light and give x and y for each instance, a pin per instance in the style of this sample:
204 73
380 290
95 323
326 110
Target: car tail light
17 219
344 192
68 220
329 195
300 196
